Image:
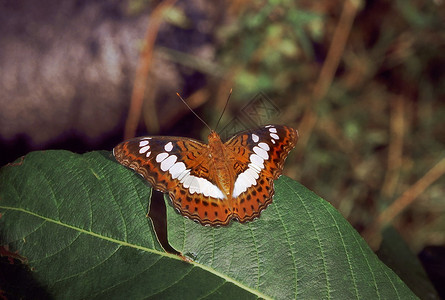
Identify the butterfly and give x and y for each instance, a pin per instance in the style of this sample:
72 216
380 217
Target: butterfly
216 182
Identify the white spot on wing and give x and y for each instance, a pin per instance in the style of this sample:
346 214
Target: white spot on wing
255 138
209 189
237 189
143 143
272 129
257 160
161 156
249 177
242 183
273 141
200 185
187 180
168 147
144 149
252 172
261 152
194 185
148 154
216 192
168 162
177 169
274 136
183 175
203 186
264 146
255 167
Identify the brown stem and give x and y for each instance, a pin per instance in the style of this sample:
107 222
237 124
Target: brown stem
143 69
372 233
328 69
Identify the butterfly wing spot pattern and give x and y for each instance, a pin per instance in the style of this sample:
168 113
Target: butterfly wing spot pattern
216 182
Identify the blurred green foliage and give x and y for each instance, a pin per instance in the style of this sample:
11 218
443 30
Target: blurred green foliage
270 45
394 52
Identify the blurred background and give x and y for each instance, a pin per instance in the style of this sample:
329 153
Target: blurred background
362 81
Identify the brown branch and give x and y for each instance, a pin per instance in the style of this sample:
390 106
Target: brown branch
143 69
328 69
372 233
395 150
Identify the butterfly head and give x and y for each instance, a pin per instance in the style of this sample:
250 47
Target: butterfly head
213 136
215 142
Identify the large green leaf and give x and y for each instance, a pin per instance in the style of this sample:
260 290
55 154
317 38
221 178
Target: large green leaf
80 220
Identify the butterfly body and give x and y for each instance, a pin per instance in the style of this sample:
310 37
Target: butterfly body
215 182
223 174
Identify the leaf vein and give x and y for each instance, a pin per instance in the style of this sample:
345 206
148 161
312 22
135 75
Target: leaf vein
121 213
354 280
290 249
58 251
89 269
173 283
369 266
392 283
257 254
128 279
323 258
210 292
51 189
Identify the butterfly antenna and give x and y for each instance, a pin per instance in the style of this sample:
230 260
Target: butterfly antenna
227 102
193 111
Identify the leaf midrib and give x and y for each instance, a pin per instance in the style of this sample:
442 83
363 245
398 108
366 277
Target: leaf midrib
154 251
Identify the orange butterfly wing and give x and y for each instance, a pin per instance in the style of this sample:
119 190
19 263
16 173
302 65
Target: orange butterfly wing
180 167
258 158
